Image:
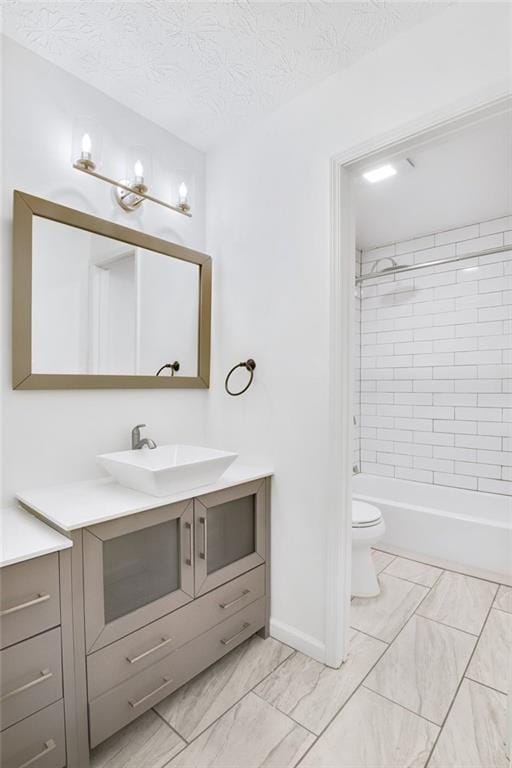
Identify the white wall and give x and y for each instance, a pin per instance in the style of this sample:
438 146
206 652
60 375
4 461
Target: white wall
268 226
436 365
51 437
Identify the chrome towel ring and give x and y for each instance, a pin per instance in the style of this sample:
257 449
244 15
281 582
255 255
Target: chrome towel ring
250 365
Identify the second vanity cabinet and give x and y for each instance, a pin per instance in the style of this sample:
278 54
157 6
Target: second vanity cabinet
166 592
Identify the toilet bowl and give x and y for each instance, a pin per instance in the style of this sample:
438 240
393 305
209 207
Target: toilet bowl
367 529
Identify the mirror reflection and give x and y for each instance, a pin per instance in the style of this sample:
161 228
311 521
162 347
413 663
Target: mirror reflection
103 306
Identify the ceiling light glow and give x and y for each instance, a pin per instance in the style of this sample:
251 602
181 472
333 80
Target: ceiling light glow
378 174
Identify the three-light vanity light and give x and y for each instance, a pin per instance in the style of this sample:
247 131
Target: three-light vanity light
129 193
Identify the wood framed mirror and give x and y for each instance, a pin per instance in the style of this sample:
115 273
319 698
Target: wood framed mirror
98 305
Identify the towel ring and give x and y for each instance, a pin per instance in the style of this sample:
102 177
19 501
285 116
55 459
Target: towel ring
250 365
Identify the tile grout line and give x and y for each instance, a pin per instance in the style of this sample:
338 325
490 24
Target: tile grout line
436 741
485 685
399 704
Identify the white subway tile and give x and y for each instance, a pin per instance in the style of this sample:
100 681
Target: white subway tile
420 425
397 286
372 468
393 337
455 345
433 412
419 243
482 272
457 481
380 445
436 465
495 342
506 385
507 444
435 253
507 238
456 372
478 469
372 326
413 373
377 397
479 244
478 385
368 409
434 438
456 291
478 414
455 235
507 356
503 458
377 253
419 321
479 329
400 435
399 460
456 426
459 454
479 300
435 307
376 421
366 455
413 348
377 373
418 475
368 386
495 313
414 449
496 225
431 281
495 486
478 441
394 361
481 357
370 432
494 428
435 359
433 334
495 284
373 350
455 398
495 400
495 371
394 386
415 398
402 411
392 312
457 317
433 386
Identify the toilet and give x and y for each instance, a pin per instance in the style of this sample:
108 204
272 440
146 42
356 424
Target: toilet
367 529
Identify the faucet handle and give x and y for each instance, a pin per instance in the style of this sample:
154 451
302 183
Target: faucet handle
136 434
138 426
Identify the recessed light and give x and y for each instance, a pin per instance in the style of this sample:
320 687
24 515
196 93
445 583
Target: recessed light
378 174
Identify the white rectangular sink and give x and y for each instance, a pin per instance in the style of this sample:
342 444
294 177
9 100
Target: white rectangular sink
167 469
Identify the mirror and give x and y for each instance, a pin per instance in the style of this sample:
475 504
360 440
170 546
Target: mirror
100 305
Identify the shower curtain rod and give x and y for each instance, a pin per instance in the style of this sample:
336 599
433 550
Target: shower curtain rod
410 267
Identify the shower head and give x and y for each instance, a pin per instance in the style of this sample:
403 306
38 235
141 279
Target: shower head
384 269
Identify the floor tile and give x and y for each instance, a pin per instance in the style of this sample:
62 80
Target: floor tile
197 704
423 667
312 693
384 616
146 743
250 735
372 732
504 599
459 601
492 661
411 570
474 733
381 559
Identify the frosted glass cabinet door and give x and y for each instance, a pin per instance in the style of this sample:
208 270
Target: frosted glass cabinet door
136 569
229 534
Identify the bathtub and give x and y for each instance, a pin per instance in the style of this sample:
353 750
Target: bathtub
466 527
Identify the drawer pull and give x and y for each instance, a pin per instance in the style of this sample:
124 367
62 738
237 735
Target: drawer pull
49 746
44 675
229 640
41 598
136 703
135 659
202 554
236 600
188 560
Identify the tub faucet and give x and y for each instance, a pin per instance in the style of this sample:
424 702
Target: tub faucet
137 442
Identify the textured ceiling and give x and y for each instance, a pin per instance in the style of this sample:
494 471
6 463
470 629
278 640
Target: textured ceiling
204 69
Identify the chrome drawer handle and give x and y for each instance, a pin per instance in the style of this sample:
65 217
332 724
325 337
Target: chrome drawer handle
49 746
188 560
236 600
135 659
136 703
44 675
41 598
229 640
202 554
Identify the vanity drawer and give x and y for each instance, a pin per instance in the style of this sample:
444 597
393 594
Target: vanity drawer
125 658
38 741
31 677
30 600
116 708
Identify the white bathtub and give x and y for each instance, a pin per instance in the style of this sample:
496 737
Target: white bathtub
466 527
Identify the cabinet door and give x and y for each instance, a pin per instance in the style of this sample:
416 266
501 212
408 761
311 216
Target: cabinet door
136 570
229 534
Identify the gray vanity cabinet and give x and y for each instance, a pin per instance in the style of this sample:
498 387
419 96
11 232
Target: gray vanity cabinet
136 569
230 534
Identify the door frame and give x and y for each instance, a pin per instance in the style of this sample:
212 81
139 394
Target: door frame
341 342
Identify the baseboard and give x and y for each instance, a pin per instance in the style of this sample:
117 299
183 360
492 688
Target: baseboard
293 637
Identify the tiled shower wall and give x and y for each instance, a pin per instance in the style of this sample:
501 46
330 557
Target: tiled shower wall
436 362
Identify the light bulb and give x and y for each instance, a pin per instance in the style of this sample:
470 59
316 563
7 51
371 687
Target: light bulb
86 144
138 169
183 192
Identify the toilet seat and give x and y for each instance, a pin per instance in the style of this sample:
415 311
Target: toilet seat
365 515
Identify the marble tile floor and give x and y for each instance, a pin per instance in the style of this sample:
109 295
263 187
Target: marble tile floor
423 686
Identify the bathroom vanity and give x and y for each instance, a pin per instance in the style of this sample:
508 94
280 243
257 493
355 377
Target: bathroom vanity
161 589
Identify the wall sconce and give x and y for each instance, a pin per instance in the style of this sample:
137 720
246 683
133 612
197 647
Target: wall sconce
129 193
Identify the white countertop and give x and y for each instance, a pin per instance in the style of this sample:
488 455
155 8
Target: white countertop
80 505
23 536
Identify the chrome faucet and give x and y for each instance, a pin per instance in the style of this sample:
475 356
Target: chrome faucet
137 442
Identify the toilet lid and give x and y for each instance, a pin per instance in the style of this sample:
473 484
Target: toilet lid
364 514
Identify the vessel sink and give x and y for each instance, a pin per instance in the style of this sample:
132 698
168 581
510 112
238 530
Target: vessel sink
167 469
